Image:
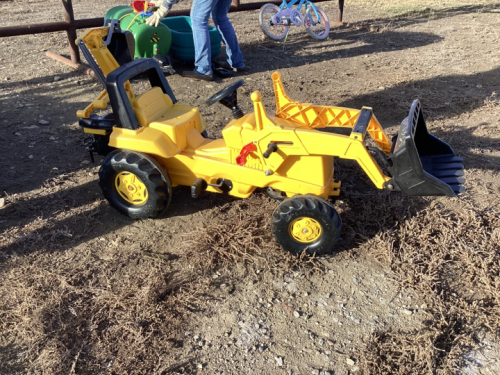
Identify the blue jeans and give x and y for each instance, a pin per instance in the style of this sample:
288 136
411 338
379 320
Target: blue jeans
200 13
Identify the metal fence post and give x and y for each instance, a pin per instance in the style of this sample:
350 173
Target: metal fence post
70 18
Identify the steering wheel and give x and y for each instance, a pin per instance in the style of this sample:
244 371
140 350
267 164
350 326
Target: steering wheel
225 92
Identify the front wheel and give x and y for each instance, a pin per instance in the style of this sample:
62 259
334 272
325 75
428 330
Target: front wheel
306 223
135 184
275 32
318 28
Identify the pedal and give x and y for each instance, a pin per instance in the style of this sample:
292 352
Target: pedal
199 185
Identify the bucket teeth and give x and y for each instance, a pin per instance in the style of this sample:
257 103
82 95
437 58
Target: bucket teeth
446 159
439 163
448 173
446 166
458 189
448 169
453 180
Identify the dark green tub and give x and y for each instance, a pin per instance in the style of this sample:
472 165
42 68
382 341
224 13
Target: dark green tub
182 47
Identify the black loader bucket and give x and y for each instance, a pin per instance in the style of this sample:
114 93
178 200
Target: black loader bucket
422 164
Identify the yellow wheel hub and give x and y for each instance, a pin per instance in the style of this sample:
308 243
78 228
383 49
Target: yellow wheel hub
131 188
305 230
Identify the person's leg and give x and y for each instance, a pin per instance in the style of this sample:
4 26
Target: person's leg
200 13
226 31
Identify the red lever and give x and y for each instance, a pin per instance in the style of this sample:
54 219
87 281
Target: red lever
241 159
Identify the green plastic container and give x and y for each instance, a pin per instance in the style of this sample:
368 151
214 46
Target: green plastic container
149 40
182 47
118 12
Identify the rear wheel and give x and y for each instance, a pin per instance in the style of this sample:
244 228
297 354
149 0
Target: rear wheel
135 184
317 28
306 223
275 32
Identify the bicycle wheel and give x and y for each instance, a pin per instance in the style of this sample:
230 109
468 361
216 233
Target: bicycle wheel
275 32
317 28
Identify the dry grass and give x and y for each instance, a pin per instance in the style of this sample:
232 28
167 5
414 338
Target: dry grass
243 237
78 313
85 315
122 314
449 256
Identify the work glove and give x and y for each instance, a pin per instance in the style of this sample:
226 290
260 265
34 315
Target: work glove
155 18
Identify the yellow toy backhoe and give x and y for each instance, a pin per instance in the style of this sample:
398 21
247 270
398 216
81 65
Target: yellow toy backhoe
153 143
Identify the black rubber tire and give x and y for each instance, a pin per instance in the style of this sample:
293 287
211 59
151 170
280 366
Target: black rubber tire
306 206
151 174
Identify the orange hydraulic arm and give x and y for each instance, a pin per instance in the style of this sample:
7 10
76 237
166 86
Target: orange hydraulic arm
314 116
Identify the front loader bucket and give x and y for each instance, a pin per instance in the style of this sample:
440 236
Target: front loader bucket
422 164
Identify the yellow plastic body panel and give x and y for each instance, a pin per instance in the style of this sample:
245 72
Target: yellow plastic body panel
146 139
344 147
155 109
188 165
314 169
179 121
174 129
151 105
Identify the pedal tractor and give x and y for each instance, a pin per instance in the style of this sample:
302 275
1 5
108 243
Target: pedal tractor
154 143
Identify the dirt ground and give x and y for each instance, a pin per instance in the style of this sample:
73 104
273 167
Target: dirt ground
413 287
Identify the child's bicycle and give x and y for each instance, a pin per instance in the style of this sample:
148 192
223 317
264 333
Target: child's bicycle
275 21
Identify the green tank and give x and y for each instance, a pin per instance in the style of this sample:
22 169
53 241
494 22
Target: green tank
118 12
149 40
